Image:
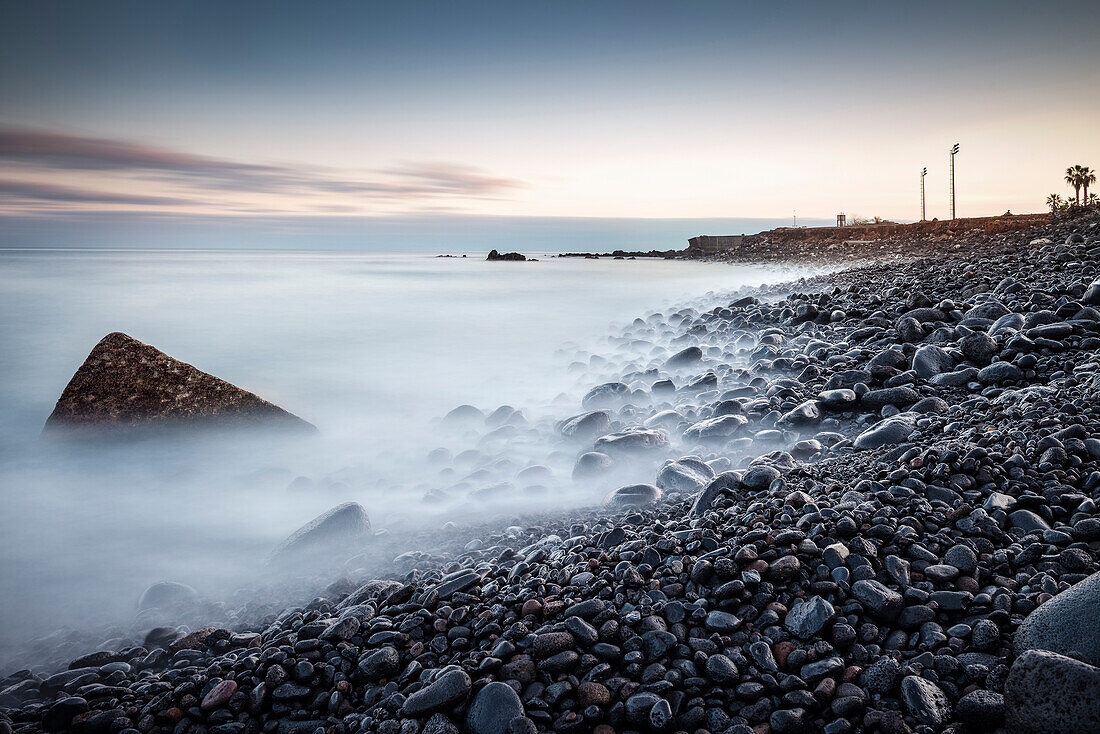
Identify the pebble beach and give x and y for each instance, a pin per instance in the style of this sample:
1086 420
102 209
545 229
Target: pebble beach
873 508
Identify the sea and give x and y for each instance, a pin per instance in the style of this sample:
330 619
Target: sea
373 348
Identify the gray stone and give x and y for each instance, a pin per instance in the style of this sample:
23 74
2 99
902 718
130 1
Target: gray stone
168 595
344 526
981 709
717 428
492 708
633 495
978 347
879 600
1048 693
684 475
632 440
999 373
931 360
1067 624
889 432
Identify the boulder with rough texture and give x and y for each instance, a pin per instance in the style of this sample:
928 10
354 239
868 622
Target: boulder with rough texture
1048 693
925 701
1067 624
125 383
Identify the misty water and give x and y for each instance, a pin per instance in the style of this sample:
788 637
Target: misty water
372 348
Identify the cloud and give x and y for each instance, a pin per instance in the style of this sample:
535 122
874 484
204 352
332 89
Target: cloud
45 150
36 192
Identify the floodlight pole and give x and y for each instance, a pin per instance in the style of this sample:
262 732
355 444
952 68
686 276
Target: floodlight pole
923 173
954 150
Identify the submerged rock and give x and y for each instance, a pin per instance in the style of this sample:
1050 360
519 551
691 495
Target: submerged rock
125 383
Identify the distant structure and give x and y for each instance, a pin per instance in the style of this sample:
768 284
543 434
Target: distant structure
710 244
841 220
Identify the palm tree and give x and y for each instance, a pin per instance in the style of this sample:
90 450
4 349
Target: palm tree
1073 178
1054 201
1088 176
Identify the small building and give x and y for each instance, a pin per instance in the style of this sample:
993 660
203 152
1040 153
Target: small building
841 220
710 244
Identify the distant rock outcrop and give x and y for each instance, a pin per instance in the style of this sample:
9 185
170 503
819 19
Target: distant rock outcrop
125 383
494 255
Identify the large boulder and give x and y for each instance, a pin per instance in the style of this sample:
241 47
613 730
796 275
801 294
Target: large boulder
889 432
493 709
633 495
125 383
684 475
931 360
586 425
344 526
1048 693
1067 624
168 595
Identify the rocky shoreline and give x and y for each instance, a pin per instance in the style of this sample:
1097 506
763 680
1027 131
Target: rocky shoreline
914 547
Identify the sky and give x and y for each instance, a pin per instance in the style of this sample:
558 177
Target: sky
360 116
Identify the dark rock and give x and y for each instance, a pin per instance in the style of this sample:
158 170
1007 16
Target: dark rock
124 384
496 256
925 701
446 691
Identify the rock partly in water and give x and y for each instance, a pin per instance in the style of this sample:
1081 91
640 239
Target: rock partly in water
344 526
125 383
168 595
633 495
495 255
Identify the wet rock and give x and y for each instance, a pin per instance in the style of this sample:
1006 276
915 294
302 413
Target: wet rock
632 440
887 433
880 601
931 360
716 428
